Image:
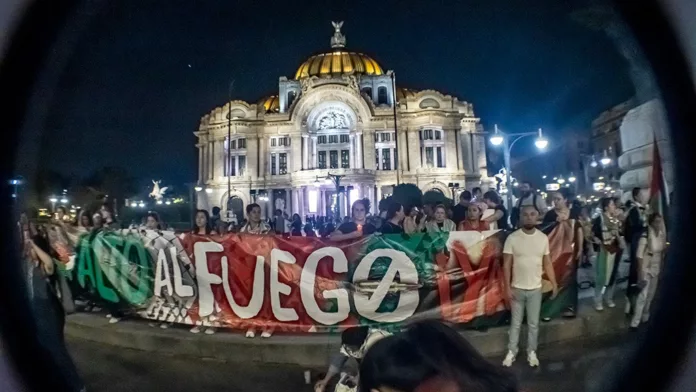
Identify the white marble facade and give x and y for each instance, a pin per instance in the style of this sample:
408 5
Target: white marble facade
640 128
336 117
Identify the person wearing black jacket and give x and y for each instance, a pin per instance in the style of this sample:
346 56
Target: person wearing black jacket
459 211
634 226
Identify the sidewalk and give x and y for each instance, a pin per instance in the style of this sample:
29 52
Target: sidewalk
313 349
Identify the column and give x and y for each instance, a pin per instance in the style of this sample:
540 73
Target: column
474 153
262 157
252 156
358 151
296 202
352 151
301 201
379 193
465 151
288 200
414 149
296 148
200 161
211 160
220 157
449 149
305 152
369 151
322 201
314 152
391 159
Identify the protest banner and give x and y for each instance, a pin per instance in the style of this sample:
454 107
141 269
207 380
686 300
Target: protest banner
306 284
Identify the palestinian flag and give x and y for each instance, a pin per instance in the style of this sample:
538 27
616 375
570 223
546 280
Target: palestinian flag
658 191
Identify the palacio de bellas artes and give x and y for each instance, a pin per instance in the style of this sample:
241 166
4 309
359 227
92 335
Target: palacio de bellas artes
336 117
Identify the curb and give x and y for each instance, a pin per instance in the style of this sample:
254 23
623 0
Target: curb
314 349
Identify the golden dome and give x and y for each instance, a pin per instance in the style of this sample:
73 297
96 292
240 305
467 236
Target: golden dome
271 104
336 63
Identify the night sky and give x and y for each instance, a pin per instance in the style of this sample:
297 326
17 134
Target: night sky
144 72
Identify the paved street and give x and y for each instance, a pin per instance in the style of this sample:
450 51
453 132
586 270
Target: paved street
567 367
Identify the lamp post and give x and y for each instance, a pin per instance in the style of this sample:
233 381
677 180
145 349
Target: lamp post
229 142
499 138
336 179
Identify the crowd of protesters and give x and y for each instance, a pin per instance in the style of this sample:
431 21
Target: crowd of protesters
605 234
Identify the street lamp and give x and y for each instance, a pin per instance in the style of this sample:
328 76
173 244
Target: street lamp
499 138
208 190
198 188
594 163
64 200
561 180
605 159
572 178
336 180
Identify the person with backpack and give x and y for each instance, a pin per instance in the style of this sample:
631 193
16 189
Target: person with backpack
634 226
528 197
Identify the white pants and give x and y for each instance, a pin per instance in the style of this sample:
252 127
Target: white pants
529 300
642 311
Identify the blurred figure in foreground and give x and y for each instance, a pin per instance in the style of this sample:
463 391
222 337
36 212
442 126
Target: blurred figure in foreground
649 258
430 357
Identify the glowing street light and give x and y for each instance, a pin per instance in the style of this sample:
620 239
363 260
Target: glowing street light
605 159
208 190
134 204
159 201
141 205
168 202
508 140
497 138
541 142
198 188
64 200
594 163
561 180
572 178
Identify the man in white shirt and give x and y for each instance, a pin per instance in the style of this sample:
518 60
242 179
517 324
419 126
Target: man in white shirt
525 259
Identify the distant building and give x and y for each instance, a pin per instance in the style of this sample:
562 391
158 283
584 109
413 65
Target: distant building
606 143
336 116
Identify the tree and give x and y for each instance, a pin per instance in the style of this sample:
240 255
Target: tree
435 197
408 195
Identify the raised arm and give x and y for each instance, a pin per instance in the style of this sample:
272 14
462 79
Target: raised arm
45 258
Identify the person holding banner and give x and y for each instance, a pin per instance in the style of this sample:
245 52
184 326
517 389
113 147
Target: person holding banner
395 215
440 223
473 220
203 227
500 216
357 227
649 257
254 224
606 230
525 259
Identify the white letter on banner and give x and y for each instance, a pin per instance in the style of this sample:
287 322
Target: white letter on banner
307 281
408 300
162 278
180 288
277 288
206 301
256 301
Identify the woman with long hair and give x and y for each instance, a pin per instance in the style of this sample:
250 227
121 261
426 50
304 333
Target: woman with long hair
48 310
561 212
473 220
109 218
202 226
357 226
606 231
414 222
152 221
430 356
440 223
296 225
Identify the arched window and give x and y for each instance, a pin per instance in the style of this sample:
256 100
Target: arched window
382 98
